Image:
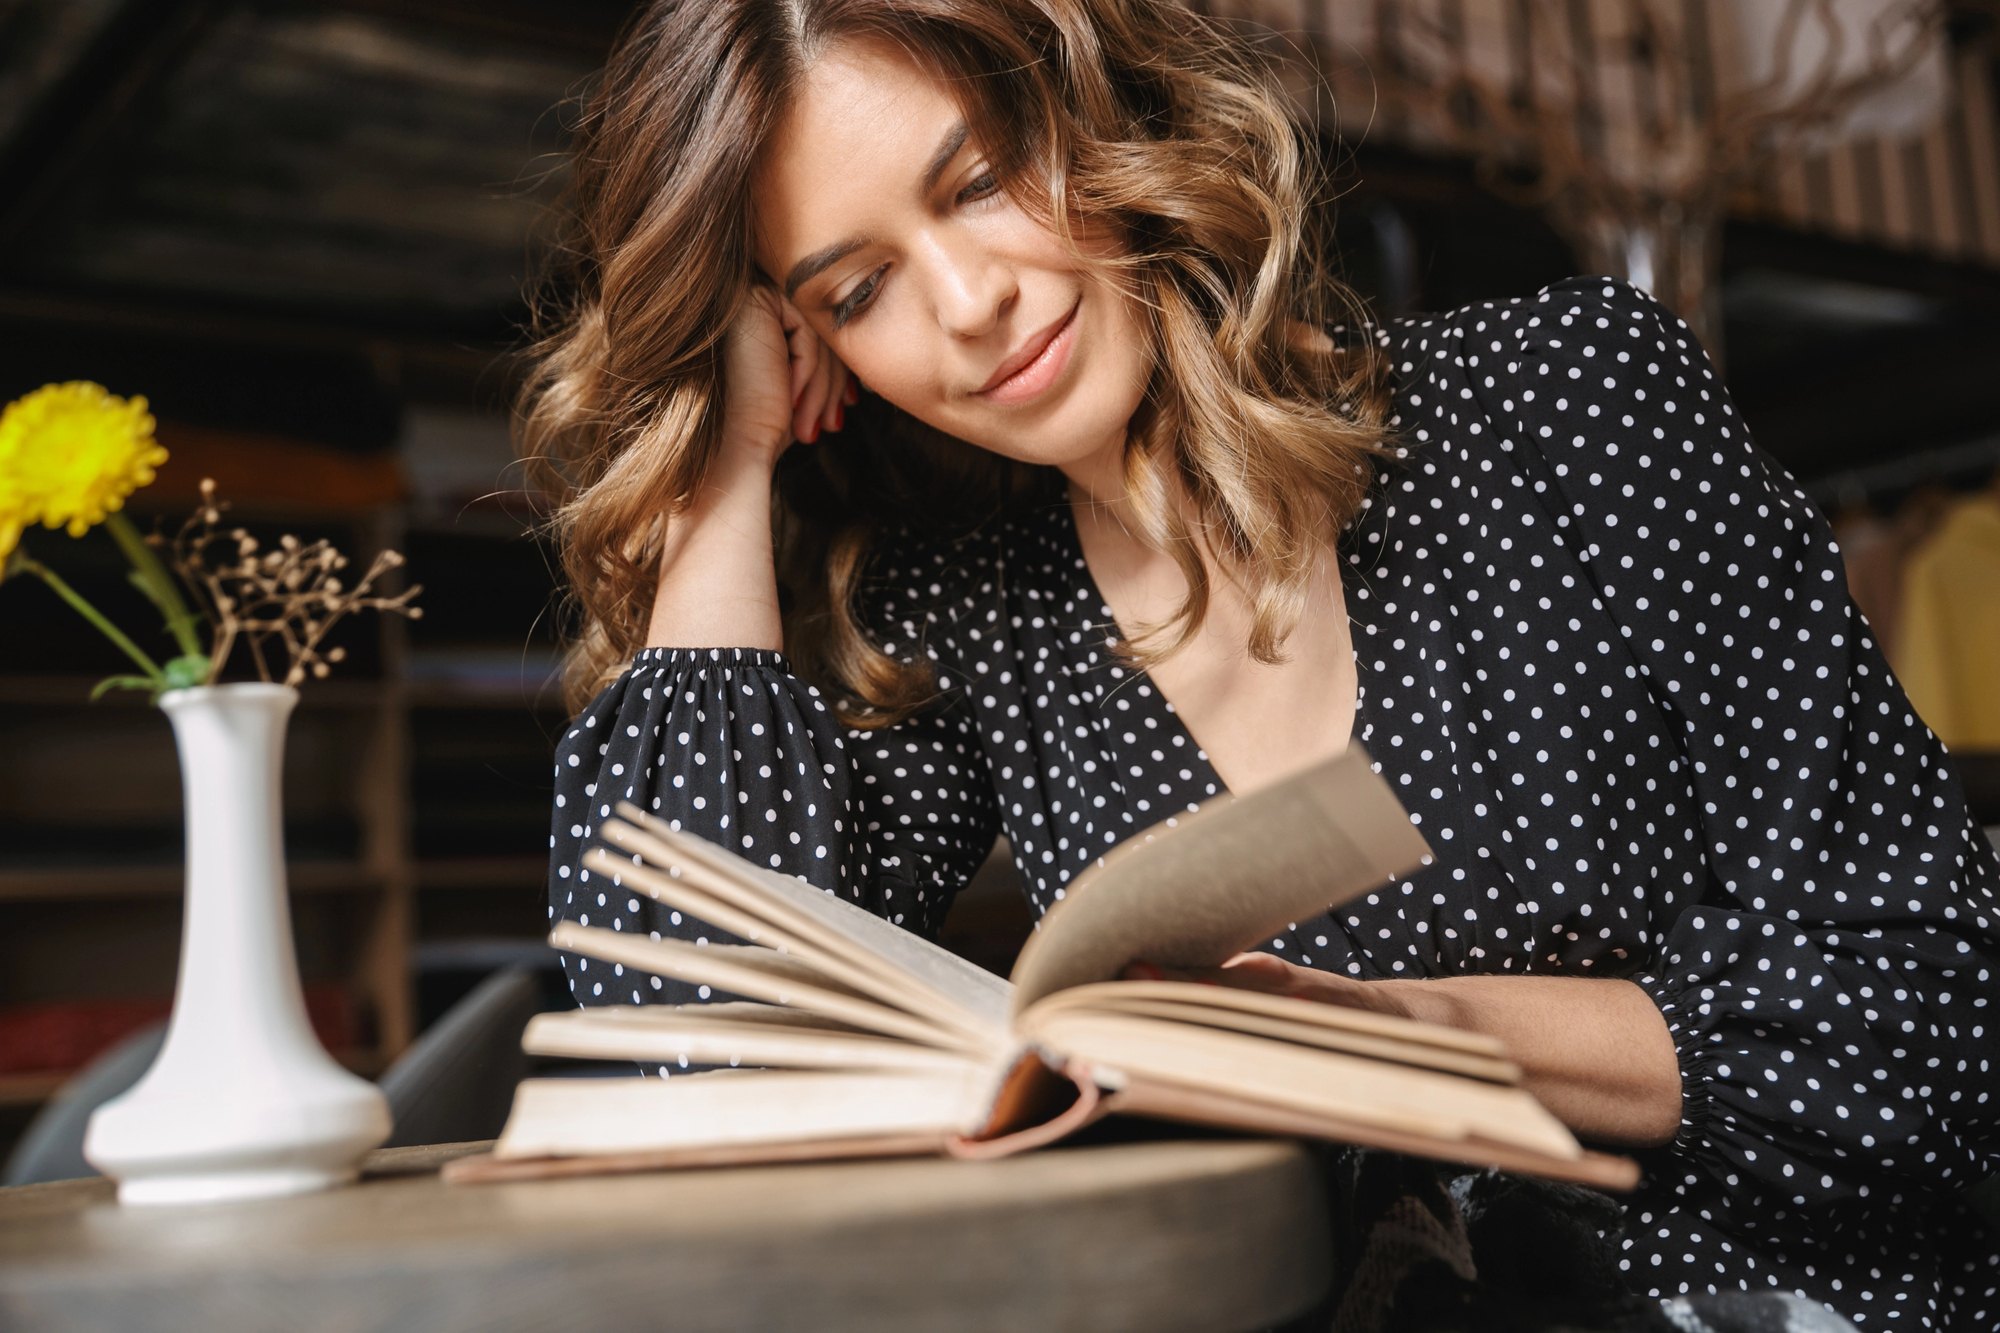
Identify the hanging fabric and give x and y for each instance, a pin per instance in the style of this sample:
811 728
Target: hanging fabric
1949 649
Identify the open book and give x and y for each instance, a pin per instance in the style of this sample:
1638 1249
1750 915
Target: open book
856 1038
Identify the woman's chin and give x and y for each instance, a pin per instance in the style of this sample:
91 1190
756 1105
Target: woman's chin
1072 427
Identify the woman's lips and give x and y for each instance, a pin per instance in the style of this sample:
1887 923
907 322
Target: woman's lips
1035 367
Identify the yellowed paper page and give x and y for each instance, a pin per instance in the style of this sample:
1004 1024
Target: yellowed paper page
1282 1019
836 926
1110 995
559 1117
1225 879
616 1034
1397 1097
715 886
759 974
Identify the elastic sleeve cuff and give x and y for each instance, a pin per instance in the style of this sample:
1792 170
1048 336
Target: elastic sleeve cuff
1685 1012
686 657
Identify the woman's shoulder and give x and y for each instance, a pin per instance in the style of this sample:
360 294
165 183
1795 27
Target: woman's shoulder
1577 319
1589 364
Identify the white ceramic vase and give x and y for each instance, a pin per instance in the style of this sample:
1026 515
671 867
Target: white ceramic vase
243 1102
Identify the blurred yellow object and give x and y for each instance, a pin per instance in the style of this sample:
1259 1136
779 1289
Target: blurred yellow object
1949 647
69 455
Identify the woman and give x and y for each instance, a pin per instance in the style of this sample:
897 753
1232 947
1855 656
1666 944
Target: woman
1122 530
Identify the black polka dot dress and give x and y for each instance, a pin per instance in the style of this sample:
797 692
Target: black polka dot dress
1607 660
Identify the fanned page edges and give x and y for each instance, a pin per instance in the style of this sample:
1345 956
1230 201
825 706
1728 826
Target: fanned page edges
739 970
670 1038
799 916
1196 1106
1282 1018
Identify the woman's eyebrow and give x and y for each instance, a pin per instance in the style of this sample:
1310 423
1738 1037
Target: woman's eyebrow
813 264
817 262
947 149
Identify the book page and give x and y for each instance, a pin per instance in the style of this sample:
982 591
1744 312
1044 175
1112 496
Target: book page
1373 1092
1115 995
670 1035
560 1117
1199 1106
1282 1018
756 973
809 913
686 887
1225 879
722 1011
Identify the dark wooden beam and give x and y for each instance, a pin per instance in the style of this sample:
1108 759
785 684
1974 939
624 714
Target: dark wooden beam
135 50
586 26
1748 245
308 333
1853 402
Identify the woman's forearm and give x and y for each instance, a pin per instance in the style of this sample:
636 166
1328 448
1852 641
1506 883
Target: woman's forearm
1594 1050
718 579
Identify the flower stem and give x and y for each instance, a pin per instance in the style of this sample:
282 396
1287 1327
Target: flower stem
94 616
152 578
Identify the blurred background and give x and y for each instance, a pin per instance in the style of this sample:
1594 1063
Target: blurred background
305 231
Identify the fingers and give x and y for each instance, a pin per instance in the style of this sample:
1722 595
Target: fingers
809 409
821 387
1141 970
803 348
1273 975
834 417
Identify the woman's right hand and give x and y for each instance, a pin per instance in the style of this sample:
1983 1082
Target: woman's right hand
784 384
717 583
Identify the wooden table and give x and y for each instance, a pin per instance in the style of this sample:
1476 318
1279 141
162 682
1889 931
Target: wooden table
1217 1236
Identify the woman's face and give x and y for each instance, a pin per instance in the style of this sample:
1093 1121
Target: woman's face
878 218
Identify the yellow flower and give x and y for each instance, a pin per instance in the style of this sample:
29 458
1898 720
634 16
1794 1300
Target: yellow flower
69 455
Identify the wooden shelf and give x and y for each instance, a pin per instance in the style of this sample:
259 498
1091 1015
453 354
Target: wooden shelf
30 1089
57 884
36 1088
89 882
62 691
482 872
451 694
74 691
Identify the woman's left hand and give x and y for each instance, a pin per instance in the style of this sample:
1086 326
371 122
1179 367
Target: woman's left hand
1274 976
1594 1050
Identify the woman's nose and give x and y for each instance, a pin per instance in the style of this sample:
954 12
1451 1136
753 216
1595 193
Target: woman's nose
972 288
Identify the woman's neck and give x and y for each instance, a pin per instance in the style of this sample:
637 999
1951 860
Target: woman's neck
1257 721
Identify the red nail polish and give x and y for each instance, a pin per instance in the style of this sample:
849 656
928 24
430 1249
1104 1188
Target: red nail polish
853 394
839 417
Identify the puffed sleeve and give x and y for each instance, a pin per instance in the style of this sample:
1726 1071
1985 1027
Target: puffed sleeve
729 744
1830 994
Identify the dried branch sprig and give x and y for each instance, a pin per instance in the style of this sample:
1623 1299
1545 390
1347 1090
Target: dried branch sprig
292 593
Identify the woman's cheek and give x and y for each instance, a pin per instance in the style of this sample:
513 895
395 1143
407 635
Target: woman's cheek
889 361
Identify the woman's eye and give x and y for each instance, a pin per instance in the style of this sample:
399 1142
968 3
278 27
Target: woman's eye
857 299
983 184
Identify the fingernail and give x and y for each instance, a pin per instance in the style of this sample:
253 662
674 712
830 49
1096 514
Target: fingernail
1141 971
839 417
853 394
813 435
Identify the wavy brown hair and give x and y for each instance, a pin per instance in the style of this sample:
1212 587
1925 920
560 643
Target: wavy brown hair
1255 436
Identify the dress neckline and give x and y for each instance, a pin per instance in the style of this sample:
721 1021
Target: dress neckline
1145 693
1152 700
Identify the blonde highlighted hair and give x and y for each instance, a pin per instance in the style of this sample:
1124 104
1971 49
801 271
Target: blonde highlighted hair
1255 438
